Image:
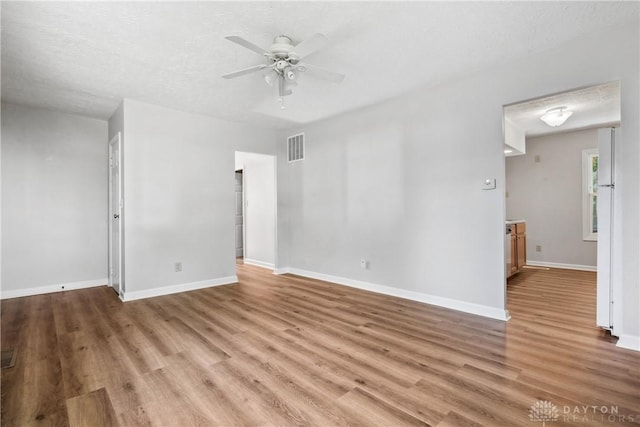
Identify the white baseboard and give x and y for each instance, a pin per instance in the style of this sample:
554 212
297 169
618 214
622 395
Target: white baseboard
467 307
61 287
562 265
258 263
630 342
284 270
174 289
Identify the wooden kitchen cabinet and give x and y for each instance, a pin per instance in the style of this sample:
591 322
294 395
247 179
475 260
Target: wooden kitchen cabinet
518 246
521 243
514 251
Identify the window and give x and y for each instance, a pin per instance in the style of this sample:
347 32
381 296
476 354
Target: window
590 194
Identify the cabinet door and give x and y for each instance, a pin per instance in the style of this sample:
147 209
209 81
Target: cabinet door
514 254
521 250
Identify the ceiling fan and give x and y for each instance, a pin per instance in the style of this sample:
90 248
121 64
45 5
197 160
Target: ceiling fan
283 62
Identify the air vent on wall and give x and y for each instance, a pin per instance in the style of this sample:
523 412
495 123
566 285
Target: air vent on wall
295 148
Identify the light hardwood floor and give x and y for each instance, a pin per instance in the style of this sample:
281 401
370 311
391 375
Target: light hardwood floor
285 350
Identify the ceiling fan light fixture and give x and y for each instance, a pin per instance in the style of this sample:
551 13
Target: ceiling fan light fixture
556 116
271 77
290 74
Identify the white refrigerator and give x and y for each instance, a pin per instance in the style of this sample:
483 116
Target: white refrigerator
606 210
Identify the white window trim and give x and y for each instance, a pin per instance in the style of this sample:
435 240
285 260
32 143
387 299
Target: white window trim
587 233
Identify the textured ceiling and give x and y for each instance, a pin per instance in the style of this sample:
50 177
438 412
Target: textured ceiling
84 57
592 106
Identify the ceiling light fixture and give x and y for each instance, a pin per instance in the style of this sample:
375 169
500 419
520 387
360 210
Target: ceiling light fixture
289 73
556 116
508 151
271 77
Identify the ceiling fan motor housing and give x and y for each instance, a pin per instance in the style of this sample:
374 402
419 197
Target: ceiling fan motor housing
281 46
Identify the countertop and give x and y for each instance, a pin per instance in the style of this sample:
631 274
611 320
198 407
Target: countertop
515 221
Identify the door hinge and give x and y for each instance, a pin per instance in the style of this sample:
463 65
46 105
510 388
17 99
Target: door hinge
111 162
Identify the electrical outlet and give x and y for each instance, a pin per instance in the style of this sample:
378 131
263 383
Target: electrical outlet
363 263
178 266
506 194
538 248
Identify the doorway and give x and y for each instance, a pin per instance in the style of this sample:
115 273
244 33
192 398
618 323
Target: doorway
115 214
256 209
550 183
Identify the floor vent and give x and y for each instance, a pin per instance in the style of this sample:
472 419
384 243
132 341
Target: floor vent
295 148
8 359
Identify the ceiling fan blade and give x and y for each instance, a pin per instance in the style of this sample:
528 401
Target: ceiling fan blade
310 45
245 71
321 73
245 43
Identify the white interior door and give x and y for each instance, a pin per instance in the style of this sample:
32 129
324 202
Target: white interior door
115 214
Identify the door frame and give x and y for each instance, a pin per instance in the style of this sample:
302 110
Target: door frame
244 214
243 168
117 139
616 219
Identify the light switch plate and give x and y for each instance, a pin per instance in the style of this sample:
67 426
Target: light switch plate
489 184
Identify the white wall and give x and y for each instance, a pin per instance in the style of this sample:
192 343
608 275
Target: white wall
116 122
54 200
514 137
400 183
260 207
179 196
548 195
